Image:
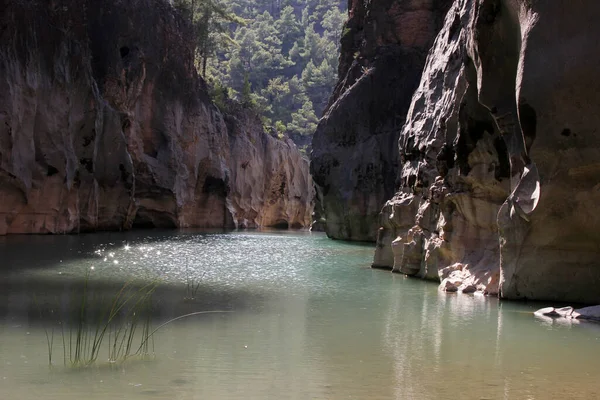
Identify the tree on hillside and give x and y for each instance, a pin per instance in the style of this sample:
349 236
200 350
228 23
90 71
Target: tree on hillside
304 121
258 55
289 29
211 24
333 23
318 80
283 61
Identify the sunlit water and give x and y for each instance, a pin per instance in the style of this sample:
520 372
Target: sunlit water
308 320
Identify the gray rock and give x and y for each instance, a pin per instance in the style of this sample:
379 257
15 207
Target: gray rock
591 313
586 313
499 154
548 312
354 157
565 312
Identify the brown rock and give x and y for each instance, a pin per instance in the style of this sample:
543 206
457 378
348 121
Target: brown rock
270 181
448 286
467 289
104 124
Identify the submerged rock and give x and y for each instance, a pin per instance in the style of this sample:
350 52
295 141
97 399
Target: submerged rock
565 312
547 311
105 125
591 313
499 154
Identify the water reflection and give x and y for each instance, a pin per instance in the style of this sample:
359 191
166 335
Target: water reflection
459 346
309 320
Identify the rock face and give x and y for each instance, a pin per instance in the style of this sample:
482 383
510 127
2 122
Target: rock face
270 181
104 124
354 156
500 156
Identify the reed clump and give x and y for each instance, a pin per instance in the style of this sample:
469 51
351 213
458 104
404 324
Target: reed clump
192 284
118 326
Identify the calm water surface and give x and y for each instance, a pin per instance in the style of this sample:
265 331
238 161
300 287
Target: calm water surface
309 320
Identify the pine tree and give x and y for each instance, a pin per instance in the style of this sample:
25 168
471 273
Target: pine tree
304 121
282 61
211 22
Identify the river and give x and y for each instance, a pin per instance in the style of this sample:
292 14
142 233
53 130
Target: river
306 318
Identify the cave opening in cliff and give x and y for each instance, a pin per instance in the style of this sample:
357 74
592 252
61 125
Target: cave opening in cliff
281 225
51 171
124 51
147 219
216 186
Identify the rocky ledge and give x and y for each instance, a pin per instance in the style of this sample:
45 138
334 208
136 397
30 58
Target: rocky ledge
105 125
499 172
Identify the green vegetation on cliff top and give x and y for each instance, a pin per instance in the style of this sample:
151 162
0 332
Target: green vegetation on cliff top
279 57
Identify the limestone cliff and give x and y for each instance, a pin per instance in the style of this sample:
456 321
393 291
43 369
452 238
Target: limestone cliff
354 153
270 180
104 124
500 158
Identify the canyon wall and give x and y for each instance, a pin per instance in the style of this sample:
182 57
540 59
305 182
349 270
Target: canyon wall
499 171
354 150
105 125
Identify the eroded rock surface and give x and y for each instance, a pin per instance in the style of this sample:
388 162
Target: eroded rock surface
104 124
270 181
499 173
354 156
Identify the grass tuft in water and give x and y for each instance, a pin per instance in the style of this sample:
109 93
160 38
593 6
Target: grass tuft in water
118 323
192 284
49 338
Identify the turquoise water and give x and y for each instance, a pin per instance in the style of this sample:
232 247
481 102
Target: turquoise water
307 319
